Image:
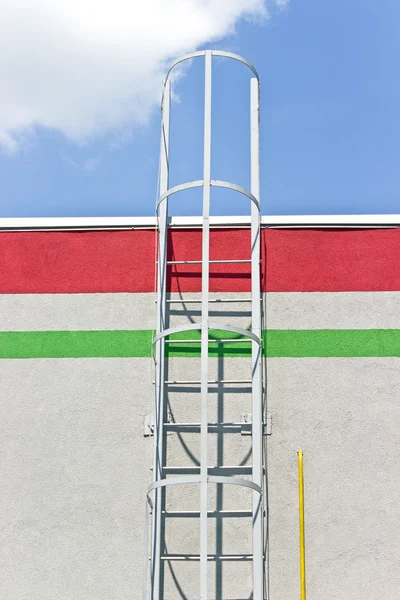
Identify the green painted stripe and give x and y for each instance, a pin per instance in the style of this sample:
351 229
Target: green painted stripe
332 343
277 343
75 344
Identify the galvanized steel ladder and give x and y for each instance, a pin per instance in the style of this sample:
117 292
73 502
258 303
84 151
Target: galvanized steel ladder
205 475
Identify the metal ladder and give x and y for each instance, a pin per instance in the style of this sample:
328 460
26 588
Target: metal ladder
204 475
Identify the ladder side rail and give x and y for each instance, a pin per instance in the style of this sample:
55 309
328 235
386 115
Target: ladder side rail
257 409
158 463
205 285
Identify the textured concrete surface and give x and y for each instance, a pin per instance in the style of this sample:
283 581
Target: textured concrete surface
341 310
75 467
74 470
53 312
49 312
345 415
284 310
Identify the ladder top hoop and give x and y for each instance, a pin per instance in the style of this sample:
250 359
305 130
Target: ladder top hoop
215 183
221 53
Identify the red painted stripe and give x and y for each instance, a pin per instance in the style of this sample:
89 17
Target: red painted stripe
224 244
123 261
115 261
333 260
77 262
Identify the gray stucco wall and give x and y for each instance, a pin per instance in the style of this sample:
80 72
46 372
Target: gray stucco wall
74 470
345 415
75 467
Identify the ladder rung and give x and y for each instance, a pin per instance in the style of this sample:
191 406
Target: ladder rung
210 557
192 514
200 262
231 341
188 382
233 470
193 427
182 301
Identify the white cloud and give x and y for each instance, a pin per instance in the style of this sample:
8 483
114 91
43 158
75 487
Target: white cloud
91 164
87 68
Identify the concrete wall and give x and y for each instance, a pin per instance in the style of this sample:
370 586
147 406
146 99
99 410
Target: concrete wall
74 470
345 415
75 465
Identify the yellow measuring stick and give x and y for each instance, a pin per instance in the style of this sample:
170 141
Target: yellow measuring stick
301 524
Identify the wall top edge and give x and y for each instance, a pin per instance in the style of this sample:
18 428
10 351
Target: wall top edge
76 223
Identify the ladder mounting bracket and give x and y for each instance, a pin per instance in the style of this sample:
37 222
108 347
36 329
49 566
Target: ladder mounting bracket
149 424
246 427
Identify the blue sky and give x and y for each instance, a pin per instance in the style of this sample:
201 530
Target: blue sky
330 126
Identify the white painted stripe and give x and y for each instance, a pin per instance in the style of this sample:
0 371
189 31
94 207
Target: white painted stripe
53 312
74 312
283 310
332 310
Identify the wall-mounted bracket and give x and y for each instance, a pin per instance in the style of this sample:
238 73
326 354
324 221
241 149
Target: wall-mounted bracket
247 423
149 424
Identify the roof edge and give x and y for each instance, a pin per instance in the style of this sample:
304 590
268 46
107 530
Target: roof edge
89 223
